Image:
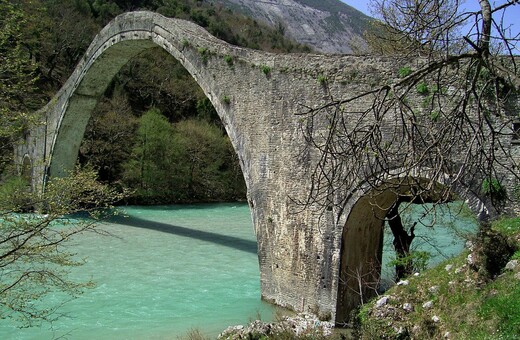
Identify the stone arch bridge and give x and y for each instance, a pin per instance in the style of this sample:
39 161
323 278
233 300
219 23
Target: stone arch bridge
258 96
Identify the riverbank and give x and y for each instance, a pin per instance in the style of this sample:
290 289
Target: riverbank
475 295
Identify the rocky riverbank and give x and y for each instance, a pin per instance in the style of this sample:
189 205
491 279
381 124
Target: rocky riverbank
303 324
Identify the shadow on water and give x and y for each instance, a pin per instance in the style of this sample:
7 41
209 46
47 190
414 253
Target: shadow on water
223 240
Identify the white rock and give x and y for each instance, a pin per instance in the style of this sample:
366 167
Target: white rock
470 259
447 335
517 276
416 274
433 289
381 302
408 307
403 283
448 267
428 304
435 318
459 270
512 265
469 245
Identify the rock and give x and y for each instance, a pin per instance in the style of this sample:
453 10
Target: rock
517 276
381 302
469 245
512 265
416 274
435 318
428 304
459 270
470 259
447 335
433 289
403 283
408 307
448 267
300 324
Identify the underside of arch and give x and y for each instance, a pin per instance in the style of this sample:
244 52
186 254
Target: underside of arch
361 247
85 98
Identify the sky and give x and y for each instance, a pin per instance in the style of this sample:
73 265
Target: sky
512 15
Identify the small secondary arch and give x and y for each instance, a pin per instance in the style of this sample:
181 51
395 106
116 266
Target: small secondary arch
361 246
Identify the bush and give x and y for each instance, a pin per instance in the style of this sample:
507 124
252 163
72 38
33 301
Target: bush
404 71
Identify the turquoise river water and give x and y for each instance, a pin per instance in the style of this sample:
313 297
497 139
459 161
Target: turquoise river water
166 270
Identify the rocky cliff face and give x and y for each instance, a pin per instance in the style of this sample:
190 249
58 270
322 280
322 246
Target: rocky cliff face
329 26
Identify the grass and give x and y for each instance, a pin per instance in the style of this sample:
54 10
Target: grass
468 307
265 69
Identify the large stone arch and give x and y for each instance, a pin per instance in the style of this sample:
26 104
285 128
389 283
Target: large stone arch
362 238
259 97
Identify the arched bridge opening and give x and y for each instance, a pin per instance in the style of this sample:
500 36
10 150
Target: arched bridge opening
361 250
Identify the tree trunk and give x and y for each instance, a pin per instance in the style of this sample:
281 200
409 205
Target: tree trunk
402 240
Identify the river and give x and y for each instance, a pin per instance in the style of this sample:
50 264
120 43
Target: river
166 270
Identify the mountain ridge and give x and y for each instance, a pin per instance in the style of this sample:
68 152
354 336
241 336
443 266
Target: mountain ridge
329 26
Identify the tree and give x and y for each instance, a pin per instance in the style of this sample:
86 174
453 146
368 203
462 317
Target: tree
17 79
444 127
34 254
109 137
149 169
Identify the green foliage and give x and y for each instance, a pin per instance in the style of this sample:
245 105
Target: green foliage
494 189
435 115
404 71
206 111
15 194
148 169
422 88
108 138
322 79
17 79
505 309
191 160
508 226
226 100
34 259
185 43
265 69
228 59
467 307
418 260
204 53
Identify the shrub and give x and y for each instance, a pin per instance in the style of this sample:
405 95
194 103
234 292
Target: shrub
404 71
265 69
322 79
494 189
228 59
422 88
